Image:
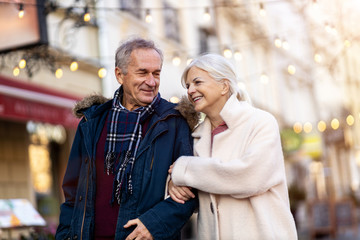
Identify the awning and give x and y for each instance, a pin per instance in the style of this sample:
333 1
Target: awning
23 102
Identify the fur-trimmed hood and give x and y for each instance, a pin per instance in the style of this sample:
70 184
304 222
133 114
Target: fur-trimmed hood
188 112
185 108
86 102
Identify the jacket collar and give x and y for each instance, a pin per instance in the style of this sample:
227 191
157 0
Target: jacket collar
234 113
91 107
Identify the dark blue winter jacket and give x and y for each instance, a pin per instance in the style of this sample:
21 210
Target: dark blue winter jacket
168 137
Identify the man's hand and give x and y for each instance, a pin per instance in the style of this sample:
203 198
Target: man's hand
180 194
140 232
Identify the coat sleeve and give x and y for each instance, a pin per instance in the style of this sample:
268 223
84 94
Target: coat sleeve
165 219
69 186
258 168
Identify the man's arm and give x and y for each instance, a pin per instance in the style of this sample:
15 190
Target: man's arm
69 186
166 218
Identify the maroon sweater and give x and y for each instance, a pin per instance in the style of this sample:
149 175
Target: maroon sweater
105 213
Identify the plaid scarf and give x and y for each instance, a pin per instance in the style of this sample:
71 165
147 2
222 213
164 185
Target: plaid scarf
124 133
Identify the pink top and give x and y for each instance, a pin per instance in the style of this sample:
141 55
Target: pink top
222 127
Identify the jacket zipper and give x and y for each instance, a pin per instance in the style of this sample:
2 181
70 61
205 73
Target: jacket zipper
152 160
87 188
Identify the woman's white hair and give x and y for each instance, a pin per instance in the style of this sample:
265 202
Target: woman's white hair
219 68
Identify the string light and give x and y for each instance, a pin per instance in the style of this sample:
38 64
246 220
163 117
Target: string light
22 63
330 29
102 72
87 16
297 127
278 42
291 69
74 66
21 11
347 43
16 71
307 127
315 4
321 126
262 11
176 60
174 99
335 123
227 52
317 58
285 45
206 15
188 61
238 55
148 17
350 120
59 73
264 79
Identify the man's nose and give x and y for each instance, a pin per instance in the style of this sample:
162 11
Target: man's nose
151 80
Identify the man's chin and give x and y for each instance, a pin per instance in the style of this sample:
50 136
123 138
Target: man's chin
147 100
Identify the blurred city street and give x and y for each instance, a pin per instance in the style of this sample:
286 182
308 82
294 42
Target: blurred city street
297 59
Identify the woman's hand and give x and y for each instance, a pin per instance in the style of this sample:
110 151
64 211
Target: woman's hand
180 194
170 169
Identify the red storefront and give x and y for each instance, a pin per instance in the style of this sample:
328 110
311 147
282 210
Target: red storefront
32 159
22 101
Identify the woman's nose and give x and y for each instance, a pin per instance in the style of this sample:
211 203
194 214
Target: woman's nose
190 90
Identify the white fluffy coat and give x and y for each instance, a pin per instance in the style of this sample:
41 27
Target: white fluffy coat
242 186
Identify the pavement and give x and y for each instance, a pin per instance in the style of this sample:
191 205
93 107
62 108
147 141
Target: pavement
343 234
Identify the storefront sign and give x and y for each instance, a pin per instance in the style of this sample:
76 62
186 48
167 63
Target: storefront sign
312 145
23 102
19 213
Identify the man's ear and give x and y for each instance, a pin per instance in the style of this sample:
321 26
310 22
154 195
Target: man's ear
225 87
119 75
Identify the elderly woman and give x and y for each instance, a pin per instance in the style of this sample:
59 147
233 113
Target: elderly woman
238 167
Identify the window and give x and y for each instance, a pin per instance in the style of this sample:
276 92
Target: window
208 41
171 22
133 7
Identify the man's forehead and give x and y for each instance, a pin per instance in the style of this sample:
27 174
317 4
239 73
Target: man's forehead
145 58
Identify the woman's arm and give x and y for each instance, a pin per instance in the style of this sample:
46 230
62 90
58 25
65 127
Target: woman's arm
259 167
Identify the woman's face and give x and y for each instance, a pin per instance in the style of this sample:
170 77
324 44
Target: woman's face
206 94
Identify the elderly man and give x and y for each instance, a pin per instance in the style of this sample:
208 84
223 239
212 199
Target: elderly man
115 181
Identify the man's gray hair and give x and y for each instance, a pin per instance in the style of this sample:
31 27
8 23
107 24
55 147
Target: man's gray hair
219 68
122 55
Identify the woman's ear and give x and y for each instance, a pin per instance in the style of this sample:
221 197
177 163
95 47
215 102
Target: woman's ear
226 87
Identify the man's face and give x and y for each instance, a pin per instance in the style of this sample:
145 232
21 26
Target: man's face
141 83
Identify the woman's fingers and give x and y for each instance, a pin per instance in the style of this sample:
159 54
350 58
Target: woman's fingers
171 168
180 194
